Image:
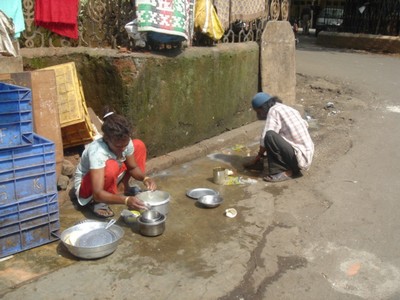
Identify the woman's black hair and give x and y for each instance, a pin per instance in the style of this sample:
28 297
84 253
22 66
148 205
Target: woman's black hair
116 126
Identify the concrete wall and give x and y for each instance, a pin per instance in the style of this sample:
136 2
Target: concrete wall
175 98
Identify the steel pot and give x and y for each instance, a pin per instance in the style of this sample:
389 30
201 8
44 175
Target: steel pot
157 200
152 228
150 216
219 175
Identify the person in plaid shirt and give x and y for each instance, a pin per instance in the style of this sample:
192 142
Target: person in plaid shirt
285 140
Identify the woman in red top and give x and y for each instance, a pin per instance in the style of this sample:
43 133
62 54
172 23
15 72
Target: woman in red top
109 161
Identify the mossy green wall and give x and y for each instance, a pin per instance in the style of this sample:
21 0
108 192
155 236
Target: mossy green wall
174 99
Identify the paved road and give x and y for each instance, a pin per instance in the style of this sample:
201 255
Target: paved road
352 248
332 234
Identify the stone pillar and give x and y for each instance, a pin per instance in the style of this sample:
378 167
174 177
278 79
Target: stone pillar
10 64
278 64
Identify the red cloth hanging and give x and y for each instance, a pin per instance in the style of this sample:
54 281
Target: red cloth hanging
59 16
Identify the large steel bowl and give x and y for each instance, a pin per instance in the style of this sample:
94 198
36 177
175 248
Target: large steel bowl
157 200
210 200
71 236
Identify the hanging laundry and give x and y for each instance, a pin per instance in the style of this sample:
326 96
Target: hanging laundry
6 29
207 21
164 20
13 10
58 16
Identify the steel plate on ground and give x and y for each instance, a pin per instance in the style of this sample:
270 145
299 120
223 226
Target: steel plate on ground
199 192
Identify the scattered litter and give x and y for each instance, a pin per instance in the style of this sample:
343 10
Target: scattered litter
249 180
232 180
329 105
238 147
312 123
352 181
333 112
6 258
395 109
231 212
236 180
226 151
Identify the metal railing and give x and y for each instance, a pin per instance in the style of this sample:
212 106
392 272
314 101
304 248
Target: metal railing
101 24
240 31
373 17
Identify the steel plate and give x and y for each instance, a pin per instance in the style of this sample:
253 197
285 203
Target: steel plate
199 192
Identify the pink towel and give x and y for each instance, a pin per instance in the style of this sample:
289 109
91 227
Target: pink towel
58 16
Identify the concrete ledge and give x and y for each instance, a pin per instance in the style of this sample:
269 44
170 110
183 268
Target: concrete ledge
241 135
368 42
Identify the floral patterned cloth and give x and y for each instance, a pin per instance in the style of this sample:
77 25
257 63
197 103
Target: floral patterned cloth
165 16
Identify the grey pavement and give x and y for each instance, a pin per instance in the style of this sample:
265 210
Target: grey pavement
195 240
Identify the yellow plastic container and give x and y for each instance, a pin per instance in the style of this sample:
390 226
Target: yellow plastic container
76 126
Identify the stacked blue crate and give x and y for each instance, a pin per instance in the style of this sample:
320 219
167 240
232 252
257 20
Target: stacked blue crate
15 116
29 213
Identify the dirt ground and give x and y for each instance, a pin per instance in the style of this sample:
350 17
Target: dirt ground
328 108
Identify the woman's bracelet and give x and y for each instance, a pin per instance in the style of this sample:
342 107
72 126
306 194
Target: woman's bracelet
126 201
146 178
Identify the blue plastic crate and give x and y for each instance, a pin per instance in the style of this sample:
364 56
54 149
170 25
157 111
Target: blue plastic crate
36 226
28 208
16 121
27 171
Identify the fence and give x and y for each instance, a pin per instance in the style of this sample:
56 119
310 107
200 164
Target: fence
101 22
373 17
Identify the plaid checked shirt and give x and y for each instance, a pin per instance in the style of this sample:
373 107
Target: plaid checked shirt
289 124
